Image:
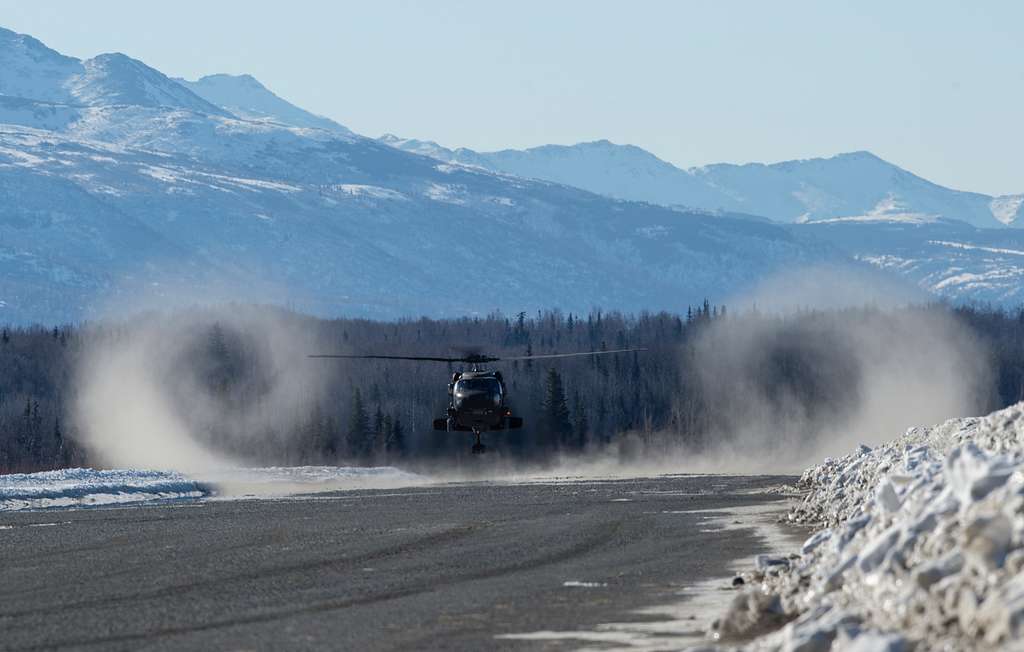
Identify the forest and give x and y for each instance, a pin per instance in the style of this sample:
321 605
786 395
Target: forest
380 412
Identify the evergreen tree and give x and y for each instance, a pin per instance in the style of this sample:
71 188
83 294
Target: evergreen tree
520 331
26 440
333 445
396 442
31 435
60 457
598 361
219 371
317 440
555 410
602 420
359 432
389 433
379 434
580 425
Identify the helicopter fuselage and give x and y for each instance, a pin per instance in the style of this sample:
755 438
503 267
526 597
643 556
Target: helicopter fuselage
477 403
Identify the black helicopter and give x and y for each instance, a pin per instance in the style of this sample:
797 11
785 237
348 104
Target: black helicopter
477 397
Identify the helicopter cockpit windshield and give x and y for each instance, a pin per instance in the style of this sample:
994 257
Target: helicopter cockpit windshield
478 390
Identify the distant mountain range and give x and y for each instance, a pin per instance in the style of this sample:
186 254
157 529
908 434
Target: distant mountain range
854 186
118 182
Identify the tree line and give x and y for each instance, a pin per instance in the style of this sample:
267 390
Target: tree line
380 412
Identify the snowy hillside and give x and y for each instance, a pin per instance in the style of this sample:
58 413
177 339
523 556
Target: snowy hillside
951 244
945 258
854 185
246 98
347 226
129 181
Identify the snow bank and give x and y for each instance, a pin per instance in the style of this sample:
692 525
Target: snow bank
89 487
922 545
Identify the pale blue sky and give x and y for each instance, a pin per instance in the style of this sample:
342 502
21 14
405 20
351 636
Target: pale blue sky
934 86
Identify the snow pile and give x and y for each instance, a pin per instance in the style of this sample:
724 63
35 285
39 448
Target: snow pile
922 546
90 487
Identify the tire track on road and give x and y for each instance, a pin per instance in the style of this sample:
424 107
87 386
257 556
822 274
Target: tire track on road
605 534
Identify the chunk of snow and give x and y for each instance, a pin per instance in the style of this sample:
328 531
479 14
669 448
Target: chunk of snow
886 496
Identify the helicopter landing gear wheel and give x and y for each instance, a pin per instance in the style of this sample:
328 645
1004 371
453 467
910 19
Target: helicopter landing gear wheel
451 424
478 447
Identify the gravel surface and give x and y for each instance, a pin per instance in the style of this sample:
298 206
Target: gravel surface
439 567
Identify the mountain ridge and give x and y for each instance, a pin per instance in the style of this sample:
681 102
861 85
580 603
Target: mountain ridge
786 191
33 71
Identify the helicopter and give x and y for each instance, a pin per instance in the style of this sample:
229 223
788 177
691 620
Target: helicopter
477 397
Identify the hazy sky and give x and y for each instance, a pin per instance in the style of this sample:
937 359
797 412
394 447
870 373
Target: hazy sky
934 86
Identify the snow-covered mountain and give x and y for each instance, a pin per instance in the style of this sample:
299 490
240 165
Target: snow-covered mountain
116 79
855 185
32 71
246 98
116 180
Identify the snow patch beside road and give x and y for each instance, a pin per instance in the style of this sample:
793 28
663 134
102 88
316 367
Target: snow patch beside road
922 546
277 481
92 488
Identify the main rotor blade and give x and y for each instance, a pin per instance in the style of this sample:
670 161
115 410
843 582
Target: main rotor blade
569 355
386 357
